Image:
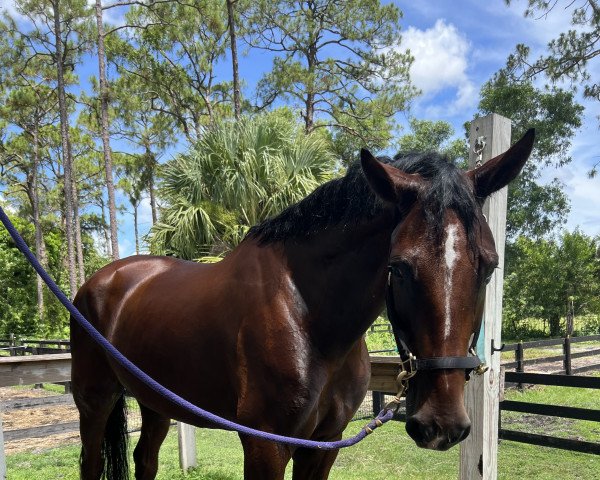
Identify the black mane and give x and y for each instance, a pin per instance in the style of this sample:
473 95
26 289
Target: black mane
347 200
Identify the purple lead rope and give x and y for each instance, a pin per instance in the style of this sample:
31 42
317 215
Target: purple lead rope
384 415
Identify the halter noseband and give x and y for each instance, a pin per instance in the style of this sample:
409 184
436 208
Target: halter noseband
410 364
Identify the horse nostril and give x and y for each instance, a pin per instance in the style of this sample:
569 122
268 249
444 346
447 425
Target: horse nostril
420 432
458 434
431 435
464 433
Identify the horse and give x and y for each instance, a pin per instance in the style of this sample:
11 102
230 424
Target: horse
272 336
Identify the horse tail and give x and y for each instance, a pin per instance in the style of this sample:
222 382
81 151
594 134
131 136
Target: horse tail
115 443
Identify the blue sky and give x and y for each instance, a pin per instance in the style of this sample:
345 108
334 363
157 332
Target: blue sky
457 46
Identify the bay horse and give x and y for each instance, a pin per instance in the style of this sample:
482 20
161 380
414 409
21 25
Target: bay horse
272 336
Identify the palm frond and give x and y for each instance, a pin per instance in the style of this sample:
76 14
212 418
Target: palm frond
236 175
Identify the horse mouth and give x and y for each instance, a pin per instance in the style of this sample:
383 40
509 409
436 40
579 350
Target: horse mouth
435 437
440 444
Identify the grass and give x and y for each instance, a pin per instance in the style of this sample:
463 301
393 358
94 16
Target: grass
388 453
555 426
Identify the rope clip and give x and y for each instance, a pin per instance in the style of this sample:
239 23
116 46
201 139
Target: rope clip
406 373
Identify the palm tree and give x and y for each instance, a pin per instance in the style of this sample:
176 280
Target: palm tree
237 175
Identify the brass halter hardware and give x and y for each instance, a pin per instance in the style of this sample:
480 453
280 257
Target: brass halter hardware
407 371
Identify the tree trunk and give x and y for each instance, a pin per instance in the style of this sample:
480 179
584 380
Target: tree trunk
66 149
78 240
554 325
105 231
135 229
310 113
237 102
110 188
151 189
309 119
39 238
151 168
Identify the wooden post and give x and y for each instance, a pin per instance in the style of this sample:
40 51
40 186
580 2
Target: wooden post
11 345
519 357
187 446
479 452
2 455
377 402
567 352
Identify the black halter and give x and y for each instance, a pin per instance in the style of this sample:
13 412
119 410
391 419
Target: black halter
410 363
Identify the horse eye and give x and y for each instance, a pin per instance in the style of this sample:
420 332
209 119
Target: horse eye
396 272
490 272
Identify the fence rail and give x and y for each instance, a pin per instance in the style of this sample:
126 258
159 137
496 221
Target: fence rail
33 369
566 357
551 410
23 346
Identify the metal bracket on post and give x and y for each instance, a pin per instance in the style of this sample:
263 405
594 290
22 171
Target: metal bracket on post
494 349
478 149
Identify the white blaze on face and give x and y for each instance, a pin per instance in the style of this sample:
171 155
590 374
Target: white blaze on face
450 257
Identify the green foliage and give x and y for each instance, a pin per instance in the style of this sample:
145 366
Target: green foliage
588 325
545 276
572 54
434 136
552 111
381 341
173 54
18 313
571 57
236 175
342 65
534 209
18 308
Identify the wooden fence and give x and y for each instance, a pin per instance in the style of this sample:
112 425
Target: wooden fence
551 410
22 346
56 368
566 357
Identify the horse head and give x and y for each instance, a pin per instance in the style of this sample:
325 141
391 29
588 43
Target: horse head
442 256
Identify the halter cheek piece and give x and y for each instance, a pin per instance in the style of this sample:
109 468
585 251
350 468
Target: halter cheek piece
410 364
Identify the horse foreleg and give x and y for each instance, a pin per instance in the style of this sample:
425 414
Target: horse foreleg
154 430
313 464
264 460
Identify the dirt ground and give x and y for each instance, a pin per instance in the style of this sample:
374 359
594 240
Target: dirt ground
14 419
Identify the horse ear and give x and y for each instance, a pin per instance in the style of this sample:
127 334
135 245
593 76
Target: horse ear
501 170
389 183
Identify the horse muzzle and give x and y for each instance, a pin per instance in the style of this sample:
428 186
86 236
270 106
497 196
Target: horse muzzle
436 435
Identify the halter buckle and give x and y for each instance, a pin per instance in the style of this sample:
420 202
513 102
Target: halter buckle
408 369
482 367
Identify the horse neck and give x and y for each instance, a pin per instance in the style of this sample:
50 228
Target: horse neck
341 275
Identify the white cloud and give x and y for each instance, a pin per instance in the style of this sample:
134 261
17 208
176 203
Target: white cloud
8 208
113 16
126 247
441 62
10 8
584 193
440 56
144 215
